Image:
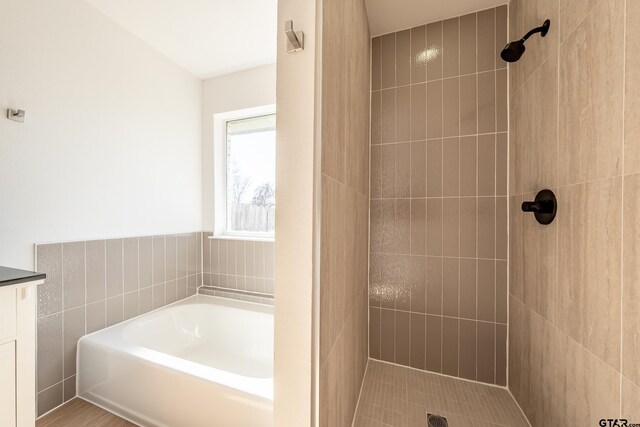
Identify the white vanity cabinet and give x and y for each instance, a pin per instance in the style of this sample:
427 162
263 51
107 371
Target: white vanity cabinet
18 349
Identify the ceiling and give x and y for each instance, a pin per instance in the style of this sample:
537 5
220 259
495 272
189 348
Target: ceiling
208 38
386 16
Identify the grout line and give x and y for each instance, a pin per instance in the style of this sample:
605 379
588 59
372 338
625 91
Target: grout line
622 201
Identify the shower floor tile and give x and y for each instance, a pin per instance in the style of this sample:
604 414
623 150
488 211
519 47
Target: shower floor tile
401 397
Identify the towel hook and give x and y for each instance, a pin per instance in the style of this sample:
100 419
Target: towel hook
16 115
295 39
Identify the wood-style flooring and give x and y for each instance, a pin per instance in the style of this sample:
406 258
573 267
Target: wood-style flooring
80 413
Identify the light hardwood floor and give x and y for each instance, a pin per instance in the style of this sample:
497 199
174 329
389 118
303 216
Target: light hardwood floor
78 412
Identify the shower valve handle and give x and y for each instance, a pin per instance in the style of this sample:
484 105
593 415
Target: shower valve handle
541 206
544 207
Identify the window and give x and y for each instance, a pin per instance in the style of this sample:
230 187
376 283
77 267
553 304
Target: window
245 203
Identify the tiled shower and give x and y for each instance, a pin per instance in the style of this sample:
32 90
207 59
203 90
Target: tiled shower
438 242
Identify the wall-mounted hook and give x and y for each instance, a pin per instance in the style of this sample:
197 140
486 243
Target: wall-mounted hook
295 39
544 207
15 115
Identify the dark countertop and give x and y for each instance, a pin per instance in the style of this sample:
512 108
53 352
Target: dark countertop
12 276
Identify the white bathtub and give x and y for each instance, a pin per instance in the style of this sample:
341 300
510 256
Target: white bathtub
204 361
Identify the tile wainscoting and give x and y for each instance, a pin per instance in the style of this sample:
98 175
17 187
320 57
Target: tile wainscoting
95 284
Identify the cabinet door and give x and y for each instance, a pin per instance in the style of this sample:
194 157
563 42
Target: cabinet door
7 314
8 384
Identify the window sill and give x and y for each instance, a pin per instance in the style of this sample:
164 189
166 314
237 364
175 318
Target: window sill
246 238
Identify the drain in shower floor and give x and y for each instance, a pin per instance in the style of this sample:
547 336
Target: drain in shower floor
434 420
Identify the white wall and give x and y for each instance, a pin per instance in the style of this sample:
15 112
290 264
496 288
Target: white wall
112 141
237 91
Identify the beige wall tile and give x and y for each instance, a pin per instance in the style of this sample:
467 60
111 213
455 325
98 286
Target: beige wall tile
502 223
501 355
468 165
434 41
468 105
418 226
376 63
632 89
73 274
630 401
486 33
450 346
467 360
468 221
486 227
486 165
376 117
418 169
450 167
450 227
403 170
450 48
501 34
631 290
572 12
587 387
487 102
403 114
434 109
486 290
468 44
418 112
434 227
434 285
418 283
374 332
450 286
418 39
49 262
434 343
589 262
486 352
388 171
403 58
591 121
403 337
388 116
502 110
451 107
502 162
388 60
468 288
434 168
387 335
402 232
418 345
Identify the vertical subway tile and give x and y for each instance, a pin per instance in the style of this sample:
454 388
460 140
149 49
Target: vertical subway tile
388 171
434 227
450 346
240 258
206 256
468 44
450 48
434 343
181 254
418 343
171 257
145 300
269 260
402 232
468 165
467 359
73 274
74 329
403 170
223 253
434 43
50 398
403 58
502 291
49 351
49 259
402 336
374 332
387 338
468 220
502 223
376 172
501 34
486 290
418 112
468 288
468 106
388 61
418 226
450 286
486 165
130 266
376 63
259 259
451 227
486 227
145 260
114 267
450 167
486 43
158 259
434 168
487 102
434 109
115 313
451 106
418 169
434 285
96 316
376 117
403 114
171 292
418 67
158 298
69 387
502 162
501 355
486 352
249 259
418 283
502 113
130 305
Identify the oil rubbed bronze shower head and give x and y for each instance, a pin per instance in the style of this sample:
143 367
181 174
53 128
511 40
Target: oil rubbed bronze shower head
514 50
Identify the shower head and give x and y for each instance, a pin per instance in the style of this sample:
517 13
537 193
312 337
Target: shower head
514 50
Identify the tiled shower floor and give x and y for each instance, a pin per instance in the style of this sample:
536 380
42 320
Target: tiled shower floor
401 397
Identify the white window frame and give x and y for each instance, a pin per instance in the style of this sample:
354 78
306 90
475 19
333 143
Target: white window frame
220 172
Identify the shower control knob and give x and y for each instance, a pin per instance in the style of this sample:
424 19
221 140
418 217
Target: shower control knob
544 207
